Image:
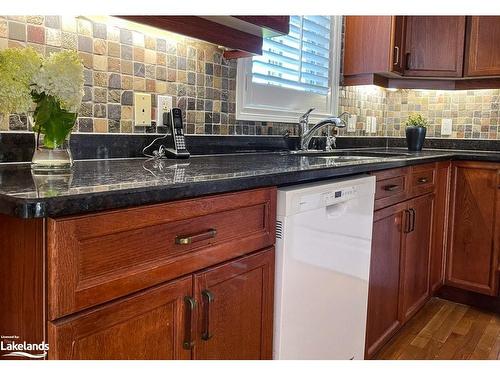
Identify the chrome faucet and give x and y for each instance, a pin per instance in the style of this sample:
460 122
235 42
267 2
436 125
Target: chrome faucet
306 134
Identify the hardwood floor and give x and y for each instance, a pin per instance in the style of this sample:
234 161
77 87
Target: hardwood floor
446 330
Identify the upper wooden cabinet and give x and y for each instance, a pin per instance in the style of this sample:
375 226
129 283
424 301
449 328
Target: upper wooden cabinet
434 46
483 46
241 35
373 44
422 51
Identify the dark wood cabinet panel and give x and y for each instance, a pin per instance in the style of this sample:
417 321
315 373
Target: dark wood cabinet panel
434 46
150 325
241 33
22 283
482 52
416 255
474 225
383 317
236 309
95 258
440 227
369 45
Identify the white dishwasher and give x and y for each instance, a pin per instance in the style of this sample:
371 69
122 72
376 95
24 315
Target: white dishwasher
324 234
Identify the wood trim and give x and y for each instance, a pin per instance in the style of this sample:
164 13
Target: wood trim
490 303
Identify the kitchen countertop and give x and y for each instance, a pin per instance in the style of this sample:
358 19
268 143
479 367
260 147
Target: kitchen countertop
96 185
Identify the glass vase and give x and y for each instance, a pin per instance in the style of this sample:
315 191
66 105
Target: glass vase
51 155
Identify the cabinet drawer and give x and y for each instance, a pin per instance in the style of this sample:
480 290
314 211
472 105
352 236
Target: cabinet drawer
391 187
96 258
423 180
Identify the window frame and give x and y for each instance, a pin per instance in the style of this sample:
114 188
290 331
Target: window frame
271 112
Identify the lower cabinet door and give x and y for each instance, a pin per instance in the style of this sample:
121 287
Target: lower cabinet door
474 240
235 303
416 256
383 295
151 325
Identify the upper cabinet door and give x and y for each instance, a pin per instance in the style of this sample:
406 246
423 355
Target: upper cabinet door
235 303
483 41
434 46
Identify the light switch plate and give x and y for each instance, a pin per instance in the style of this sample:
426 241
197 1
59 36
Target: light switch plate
446 126
351 123
142 108
163 104
368 125
374 125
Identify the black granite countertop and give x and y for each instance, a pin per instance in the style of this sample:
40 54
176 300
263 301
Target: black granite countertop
96 185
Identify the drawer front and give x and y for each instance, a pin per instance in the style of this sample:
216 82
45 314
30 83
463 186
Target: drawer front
96 258
423 180
391 187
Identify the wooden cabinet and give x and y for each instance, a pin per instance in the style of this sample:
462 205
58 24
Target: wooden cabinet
473 249
422 52
414 289
404 247
434 46
482 51
236 309
242 35
440 225
225 312
383 318
373 44
149 325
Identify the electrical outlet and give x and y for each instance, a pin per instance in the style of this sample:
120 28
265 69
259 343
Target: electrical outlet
374 125
142 108
163 104
446 126
351 123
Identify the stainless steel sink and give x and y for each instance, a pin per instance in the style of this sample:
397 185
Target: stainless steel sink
351 155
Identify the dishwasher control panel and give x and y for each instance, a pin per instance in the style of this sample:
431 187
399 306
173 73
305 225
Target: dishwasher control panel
340 195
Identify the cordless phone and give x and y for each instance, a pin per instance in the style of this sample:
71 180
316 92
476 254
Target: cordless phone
173 120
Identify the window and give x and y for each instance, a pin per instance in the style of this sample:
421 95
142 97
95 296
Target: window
296 72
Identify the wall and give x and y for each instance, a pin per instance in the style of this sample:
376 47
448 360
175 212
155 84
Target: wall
120 58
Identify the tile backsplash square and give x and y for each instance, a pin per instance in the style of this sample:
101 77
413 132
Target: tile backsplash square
119 60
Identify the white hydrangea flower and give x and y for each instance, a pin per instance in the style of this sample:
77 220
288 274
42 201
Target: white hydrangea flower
61 76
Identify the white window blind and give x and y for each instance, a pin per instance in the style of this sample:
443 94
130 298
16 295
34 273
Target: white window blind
296 72
299 60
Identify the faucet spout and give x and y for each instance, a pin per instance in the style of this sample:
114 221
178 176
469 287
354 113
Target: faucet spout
309 133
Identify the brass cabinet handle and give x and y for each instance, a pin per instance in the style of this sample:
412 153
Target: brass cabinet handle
190 309
396 51
422 180
392 187
407 221
208 298
413 217
187 240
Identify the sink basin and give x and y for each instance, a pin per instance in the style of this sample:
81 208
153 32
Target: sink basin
350 155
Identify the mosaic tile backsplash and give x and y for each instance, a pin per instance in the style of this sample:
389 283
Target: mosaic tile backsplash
119 61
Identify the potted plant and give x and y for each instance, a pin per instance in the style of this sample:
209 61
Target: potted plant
49 91
415 132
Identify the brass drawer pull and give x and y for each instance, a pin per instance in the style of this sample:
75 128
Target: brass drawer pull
187 240
392 187
422 180
208 298
190 310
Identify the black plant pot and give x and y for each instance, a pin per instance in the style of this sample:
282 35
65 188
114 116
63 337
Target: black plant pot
415 137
